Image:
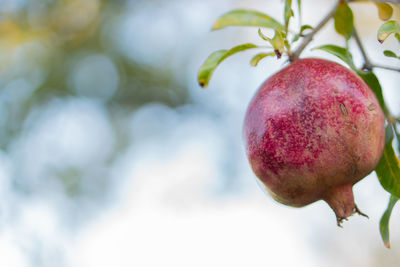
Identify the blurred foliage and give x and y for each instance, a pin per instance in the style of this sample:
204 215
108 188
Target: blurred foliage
53 34
55 52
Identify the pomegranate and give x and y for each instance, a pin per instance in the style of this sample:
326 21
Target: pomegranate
312 131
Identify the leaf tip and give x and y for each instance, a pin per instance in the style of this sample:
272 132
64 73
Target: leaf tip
278 53
387 244
380 40
218 25
202 84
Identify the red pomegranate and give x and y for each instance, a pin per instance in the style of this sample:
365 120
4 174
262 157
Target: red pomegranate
312 131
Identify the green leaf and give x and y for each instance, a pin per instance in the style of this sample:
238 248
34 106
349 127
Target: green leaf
242 17
299 7
340 52
384 222
296 38
288 13
207 69
301 33
212 62
305 27
385 10
388 170
287 44
398 138
277 42
238 48
387 29
389 53
372 81
263 36
344 20
388 134
257 58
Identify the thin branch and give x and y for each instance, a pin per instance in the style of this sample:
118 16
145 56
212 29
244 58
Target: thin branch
308 38
367 62
385 67
368 65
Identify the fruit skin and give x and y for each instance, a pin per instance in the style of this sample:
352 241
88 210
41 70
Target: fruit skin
311 132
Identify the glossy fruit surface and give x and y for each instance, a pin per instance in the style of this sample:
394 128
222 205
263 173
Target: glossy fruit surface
311 132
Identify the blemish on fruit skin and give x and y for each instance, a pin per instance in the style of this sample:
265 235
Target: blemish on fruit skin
292 121
343 109
371 107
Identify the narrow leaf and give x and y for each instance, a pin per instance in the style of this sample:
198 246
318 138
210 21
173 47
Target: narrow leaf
242 17
301 33
277 42
257 58
372 81
388 170
387 29
263 36
287 44
296 38
305 27
398 138
207 69
389 53
211 63
384 222
236 49
299 8
344 20
388 134
288 13
340 52
385 10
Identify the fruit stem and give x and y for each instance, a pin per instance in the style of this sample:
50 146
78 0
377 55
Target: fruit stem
341 200
308 38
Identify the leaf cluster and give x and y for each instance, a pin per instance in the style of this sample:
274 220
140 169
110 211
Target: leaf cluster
277 45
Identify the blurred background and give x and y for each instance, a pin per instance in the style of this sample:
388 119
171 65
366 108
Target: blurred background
112 155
